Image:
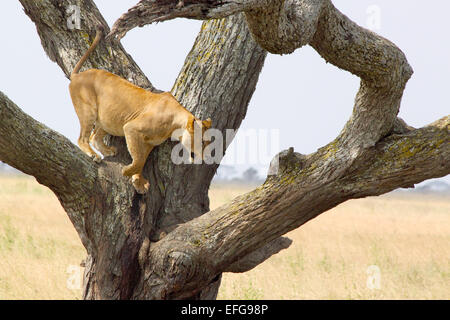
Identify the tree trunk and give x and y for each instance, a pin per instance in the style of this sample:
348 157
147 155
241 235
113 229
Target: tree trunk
120 219
166 244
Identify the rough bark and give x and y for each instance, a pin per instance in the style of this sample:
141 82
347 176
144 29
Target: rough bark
52 159
150 11
279 26
166 245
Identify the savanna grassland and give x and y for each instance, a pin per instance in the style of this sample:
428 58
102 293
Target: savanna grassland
390 247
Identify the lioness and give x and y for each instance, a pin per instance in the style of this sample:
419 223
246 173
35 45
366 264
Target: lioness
107 104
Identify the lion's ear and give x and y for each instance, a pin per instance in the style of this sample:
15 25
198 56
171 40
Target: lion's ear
207 123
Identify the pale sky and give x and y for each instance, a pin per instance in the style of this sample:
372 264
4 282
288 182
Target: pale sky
307 100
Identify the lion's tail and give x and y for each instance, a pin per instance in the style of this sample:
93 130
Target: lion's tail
83 59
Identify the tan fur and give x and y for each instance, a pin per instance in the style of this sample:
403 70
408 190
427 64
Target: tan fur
107 104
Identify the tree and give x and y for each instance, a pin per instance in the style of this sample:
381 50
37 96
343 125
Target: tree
167 244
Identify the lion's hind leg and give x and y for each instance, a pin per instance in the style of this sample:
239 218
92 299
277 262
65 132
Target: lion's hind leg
87 117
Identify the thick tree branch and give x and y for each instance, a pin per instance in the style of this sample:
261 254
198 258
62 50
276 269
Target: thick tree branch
383 70
52 159
151 11
279 26
302 190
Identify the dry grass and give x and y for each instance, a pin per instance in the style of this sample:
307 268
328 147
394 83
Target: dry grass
407 238
37 243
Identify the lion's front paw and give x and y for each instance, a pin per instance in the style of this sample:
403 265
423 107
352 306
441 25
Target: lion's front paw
140 184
